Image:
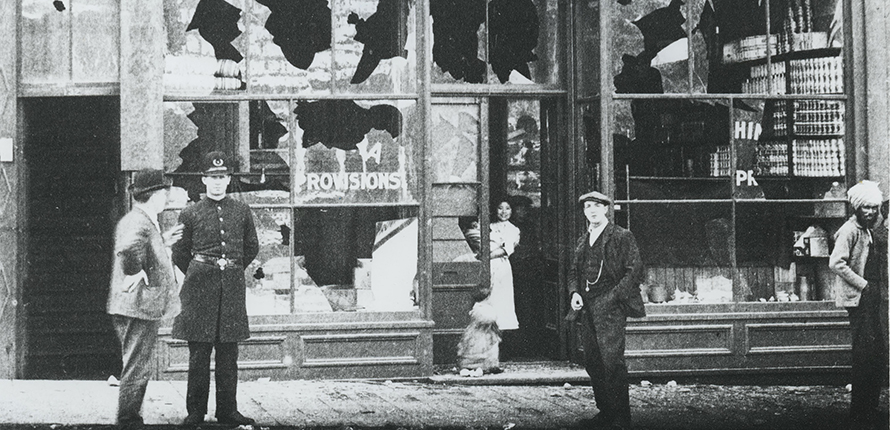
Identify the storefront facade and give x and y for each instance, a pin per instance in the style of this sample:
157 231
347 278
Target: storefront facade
366 132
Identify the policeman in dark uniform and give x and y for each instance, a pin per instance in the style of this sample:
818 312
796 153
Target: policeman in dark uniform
218 241
604 285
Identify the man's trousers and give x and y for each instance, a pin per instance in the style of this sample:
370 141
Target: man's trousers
868 326
603 336
137 338
198 390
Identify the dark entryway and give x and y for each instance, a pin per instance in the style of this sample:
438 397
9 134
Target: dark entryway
72 147
523 169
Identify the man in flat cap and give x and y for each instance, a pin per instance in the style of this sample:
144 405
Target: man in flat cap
604 285
218 241
861 287
143 289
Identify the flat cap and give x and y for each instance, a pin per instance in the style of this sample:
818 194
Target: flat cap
595 196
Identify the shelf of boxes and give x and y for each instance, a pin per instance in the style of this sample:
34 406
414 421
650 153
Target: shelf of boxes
720 162
772 159
819 157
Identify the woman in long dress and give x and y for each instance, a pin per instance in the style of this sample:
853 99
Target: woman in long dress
504 238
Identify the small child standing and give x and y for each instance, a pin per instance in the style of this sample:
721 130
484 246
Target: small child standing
479 345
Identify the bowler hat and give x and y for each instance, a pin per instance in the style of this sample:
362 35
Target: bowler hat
216 163
147 180
595 196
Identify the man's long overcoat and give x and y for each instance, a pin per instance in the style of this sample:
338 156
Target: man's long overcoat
213 300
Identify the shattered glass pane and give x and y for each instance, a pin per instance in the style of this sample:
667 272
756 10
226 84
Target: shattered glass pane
349 259
455 144
191 130
671 149
205 46
290 47
179 130
270 141
375 46
522 41
355 152
521 35
687 249
458 41
268 277
650 47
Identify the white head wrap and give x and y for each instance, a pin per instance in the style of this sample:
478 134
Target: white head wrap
865 193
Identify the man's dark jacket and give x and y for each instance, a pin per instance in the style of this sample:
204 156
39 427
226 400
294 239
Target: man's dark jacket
621 261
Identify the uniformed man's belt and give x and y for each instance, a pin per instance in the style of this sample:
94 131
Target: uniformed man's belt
222 263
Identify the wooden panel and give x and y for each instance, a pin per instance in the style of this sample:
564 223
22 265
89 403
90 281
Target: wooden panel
706 339
142 87
296 351
256 353
446 228
359 349
448 251
458 273
797 337
451 307
445 346
453 200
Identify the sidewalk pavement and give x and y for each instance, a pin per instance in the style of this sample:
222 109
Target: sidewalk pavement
523 397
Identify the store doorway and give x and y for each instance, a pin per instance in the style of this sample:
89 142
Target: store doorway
71 149
523 172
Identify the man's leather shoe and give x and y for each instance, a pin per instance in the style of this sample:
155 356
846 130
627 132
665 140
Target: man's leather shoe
131 424
193 420
235 418
599 421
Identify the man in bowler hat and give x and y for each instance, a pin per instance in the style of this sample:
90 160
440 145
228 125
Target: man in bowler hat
143 288
218 241
604 285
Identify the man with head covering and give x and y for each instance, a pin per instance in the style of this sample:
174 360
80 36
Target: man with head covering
219 240
143 289
861 288
604 285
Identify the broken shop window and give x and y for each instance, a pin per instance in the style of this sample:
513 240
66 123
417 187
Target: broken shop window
189 68
354 153
513 34
217 22
343 123
513 29
342 260
384 35
301 28
269 140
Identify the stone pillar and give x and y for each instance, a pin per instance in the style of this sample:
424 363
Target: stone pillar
143 38
877 30
10 159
